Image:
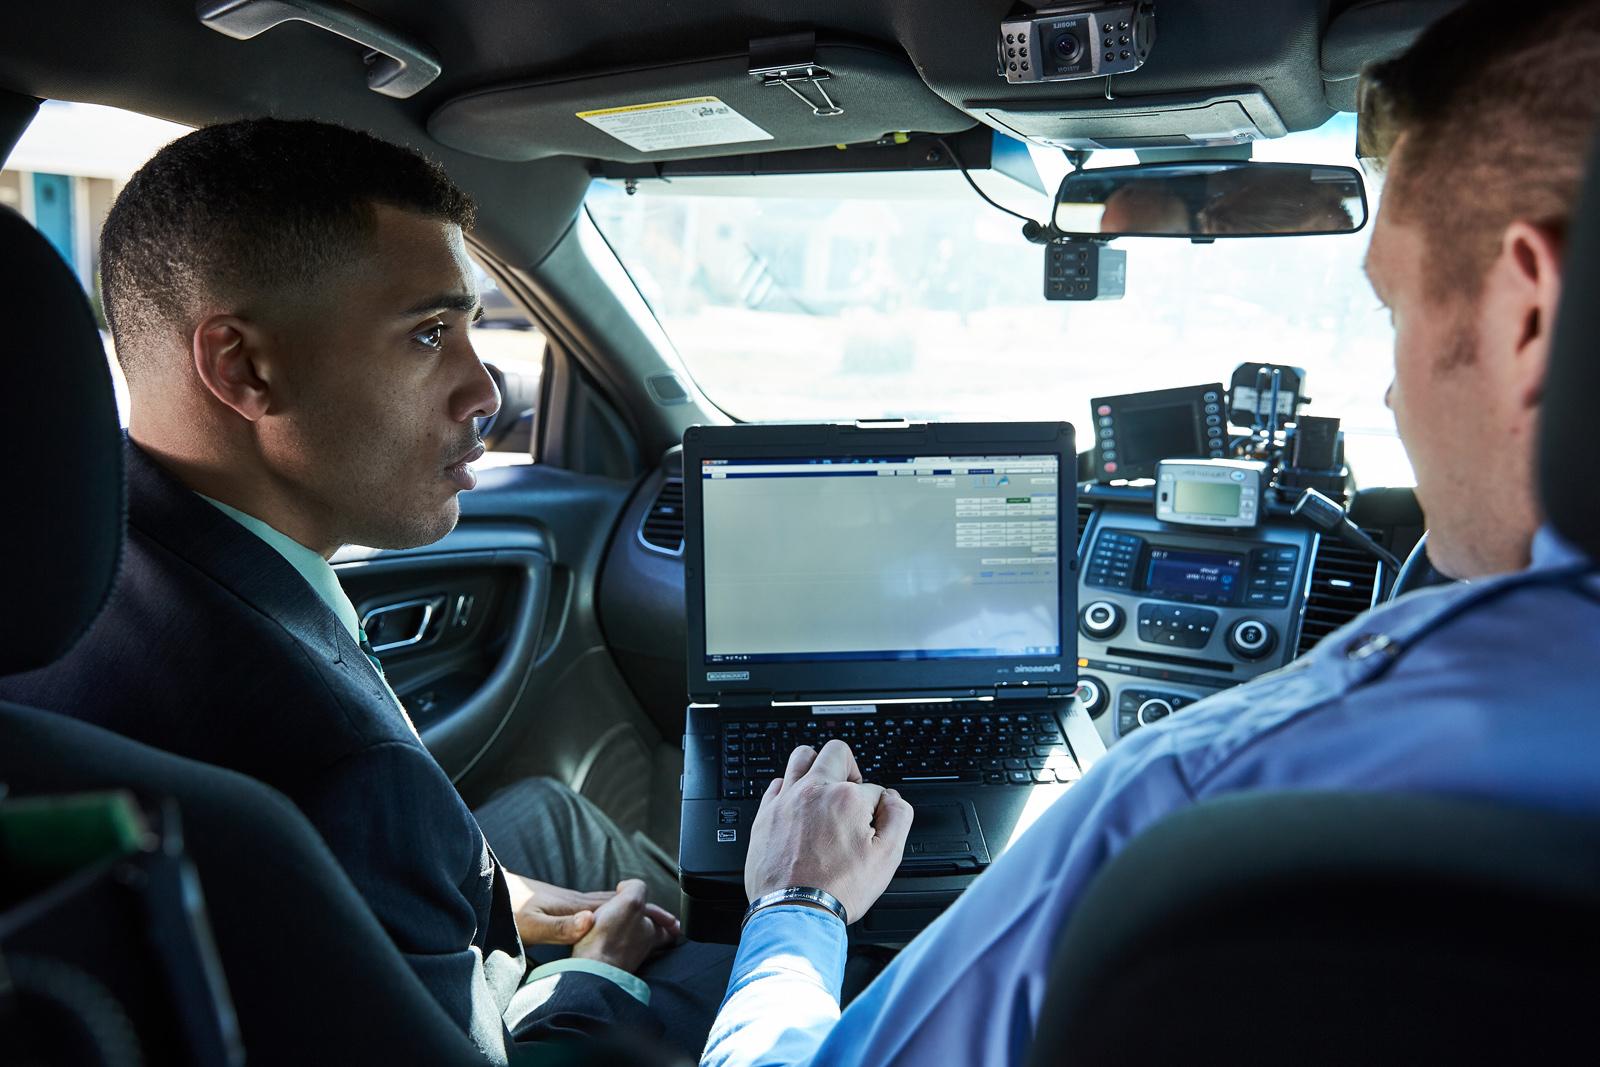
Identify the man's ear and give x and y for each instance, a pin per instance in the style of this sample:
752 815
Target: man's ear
228 355
1528 274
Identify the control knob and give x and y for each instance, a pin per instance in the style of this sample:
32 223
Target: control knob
1154 710
1101 620
1251 639
1092 696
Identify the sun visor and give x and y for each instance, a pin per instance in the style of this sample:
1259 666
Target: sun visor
839 93
1214 117
1368 32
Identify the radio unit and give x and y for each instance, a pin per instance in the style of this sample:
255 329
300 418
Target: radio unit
1213 492
1259 576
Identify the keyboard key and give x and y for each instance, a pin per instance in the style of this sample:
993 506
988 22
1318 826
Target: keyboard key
940 776
1043 776
924 743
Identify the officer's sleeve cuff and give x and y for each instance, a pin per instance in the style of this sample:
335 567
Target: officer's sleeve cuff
631 984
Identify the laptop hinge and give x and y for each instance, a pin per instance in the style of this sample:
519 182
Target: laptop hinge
745 699
1004 691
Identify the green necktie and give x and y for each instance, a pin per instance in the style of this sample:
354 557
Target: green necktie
366 648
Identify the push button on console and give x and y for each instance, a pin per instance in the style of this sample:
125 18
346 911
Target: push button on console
1180 627
1272 572
1111 563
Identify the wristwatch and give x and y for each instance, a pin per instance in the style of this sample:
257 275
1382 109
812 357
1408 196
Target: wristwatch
798 894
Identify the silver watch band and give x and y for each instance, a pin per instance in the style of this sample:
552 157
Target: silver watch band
798 894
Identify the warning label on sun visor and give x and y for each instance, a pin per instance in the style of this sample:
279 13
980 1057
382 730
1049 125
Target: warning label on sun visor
693 123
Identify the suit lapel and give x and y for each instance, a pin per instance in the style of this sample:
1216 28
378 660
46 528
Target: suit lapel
169 513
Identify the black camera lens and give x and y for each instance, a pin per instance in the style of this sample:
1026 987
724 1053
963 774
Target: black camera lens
1068 47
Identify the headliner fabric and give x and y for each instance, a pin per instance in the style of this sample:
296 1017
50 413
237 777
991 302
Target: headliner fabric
61 531
1567 444
1370 31
1374 30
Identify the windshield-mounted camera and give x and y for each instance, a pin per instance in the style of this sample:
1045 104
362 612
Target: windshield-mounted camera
1076 41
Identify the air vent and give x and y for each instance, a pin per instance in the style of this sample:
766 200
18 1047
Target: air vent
1085 509
1343 581
662 529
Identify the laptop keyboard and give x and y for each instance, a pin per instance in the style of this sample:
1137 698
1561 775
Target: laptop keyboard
906 744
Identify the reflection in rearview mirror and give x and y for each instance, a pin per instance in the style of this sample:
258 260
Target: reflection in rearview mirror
1211 199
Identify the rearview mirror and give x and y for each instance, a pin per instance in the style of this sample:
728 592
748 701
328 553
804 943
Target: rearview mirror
1207 199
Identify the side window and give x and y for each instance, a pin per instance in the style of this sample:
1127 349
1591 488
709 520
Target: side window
514 348
62 176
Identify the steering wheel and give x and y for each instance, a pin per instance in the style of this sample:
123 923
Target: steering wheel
1418 571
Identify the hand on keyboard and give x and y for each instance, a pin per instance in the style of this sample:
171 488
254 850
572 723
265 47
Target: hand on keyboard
821 826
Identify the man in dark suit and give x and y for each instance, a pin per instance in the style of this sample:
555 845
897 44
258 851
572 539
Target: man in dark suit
290 303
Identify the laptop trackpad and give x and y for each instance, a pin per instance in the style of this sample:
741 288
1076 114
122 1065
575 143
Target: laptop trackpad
945 838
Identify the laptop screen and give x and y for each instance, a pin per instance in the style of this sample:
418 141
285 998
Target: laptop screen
883 558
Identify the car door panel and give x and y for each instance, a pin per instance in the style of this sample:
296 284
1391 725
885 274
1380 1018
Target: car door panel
470 624
527 685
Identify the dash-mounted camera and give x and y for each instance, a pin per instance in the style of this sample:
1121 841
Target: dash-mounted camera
1074 41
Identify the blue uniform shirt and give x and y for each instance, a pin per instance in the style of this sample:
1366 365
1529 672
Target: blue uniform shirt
1487 690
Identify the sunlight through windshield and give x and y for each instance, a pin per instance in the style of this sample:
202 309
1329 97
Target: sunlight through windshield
883 295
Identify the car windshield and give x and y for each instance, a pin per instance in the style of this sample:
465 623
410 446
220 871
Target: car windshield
905 295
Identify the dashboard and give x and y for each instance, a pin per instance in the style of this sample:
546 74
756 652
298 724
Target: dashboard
1198 566
1138 660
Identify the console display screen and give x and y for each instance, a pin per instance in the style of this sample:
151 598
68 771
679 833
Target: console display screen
1207 498
1149 434
1193 577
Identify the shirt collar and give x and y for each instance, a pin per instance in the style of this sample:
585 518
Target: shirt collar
1551 550
317 572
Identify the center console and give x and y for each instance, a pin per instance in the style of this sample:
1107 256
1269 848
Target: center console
1169 615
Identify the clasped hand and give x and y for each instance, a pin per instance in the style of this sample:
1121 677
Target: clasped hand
617 927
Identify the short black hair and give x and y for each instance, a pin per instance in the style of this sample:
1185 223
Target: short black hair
244 210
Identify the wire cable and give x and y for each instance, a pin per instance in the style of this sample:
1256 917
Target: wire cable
986 197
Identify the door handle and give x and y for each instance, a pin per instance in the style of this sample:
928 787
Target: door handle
408 630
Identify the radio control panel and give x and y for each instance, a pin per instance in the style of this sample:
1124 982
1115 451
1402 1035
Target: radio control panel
1170 614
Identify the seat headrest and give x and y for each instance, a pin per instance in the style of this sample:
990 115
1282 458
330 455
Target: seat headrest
1568 446
61 452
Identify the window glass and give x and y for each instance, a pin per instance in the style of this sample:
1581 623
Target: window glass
884 295
506 339
70 164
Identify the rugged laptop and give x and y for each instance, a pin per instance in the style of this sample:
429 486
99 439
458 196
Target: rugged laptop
909 589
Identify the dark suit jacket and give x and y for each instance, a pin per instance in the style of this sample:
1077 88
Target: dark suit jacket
213 647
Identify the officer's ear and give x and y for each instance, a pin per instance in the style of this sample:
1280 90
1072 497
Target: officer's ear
1521 292
231 359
